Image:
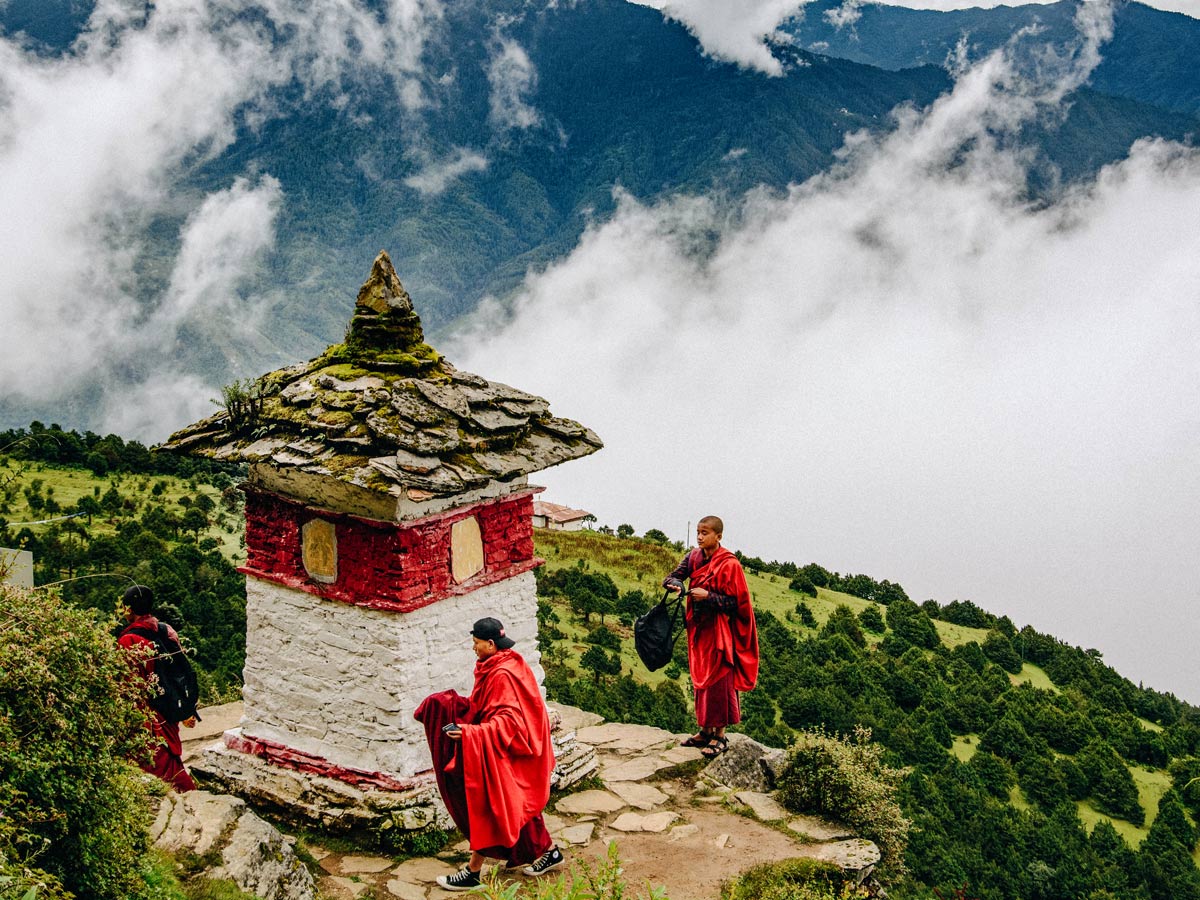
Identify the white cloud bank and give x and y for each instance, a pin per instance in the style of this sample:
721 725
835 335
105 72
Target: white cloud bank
92 144
905 368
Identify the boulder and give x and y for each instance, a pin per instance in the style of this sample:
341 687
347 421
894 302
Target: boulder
747 765
252 853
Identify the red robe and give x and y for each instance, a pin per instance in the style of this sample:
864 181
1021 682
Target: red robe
507 757
167 763
721 643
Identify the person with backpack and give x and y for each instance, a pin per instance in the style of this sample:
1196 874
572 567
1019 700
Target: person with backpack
156 655
722 637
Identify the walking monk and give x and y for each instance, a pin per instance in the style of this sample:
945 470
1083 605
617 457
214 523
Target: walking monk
493 759
722 638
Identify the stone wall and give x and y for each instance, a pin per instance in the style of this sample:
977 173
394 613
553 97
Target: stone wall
340 682
385 564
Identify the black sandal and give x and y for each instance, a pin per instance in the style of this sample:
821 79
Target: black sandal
697 740
714 748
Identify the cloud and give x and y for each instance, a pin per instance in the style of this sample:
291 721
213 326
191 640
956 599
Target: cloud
906 368
732 32
845 15
512 77
93 147
437 174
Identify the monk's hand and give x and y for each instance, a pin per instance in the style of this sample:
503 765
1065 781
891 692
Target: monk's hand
189 722
674 585
698 594
455 734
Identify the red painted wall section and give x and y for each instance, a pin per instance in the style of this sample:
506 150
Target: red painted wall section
387 565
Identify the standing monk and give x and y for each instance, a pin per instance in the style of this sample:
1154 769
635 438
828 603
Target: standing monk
167 763
493 759
722 638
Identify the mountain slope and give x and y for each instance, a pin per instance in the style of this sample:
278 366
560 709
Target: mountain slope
1151 57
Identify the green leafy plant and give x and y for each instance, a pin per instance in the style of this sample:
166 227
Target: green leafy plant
845 778
792 879
69 725
242 401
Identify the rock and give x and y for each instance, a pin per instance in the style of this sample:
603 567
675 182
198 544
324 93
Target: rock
357 865
635 769
588 803
422 871
721 841
627 822
679 755
640 796
817 829
855 856
252 853
620 736
679 832
741 766
405 891
764 806
578 834
659 822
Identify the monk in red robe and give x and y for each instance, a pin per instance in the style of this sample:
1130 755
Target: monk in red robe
167 763
494 776
722 637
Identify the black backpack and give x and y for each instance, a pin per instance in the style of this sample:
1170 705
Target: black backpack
178 691
654 633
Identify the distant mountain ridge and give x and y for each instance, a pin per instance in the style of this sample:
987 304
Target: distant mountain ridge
1152 57
623 99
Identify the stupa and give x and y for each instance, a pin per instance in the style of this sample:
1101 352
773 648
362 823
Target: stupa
387 508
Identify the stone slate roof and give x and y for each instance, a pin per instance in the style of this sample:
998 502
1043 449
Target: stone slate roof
385 411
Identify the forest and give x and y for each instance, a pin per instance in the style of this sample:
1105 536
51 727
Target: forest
1032 769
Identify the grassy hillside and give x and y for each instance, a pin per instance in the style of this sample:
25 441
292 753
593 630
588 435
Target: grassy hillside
1014 740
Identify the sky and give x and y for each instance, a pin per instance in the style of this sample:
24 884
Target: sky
900 368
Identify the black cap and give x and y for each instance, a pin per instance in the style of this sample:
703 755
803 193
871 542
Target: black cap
139 598
490 629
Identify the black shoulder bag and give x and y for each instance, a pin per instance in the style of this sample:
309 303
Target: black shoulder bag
654 633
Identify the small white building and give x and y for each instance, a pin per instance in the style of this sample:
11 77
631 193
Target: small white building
559 518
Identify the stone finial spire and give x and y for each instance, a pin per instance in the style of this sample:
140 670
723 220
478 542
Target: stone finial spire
384 318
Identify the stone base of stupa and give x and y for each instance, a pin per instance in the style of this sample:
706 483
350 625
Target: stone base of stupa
352 803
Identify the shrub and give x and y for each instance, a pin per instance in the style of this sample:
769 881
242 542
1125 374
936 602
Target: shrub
791 879
68 724
845 778
600 882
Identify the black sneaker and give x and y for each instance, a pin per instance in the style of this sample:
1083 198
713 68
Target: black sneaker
462 880
548 861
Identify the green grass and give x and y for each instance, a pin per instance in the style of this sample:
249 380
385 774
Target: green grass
964 746
1151 785
1033 676
67 485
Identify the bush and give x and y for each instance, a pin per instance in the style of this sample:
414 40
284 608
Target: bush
792 879
845 778
76 808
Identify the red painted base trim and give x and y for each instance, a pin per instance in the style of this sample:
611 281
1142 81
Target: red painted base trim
298 761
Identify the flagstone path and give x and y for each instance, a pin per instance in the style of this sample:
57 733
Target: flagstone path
672 826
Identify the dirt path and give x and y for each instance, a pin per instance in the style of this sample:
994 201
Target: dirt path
672 824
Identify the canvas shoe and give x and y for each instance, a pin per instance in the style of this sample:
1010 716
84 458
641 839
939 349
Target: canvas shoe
462 880
549 860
